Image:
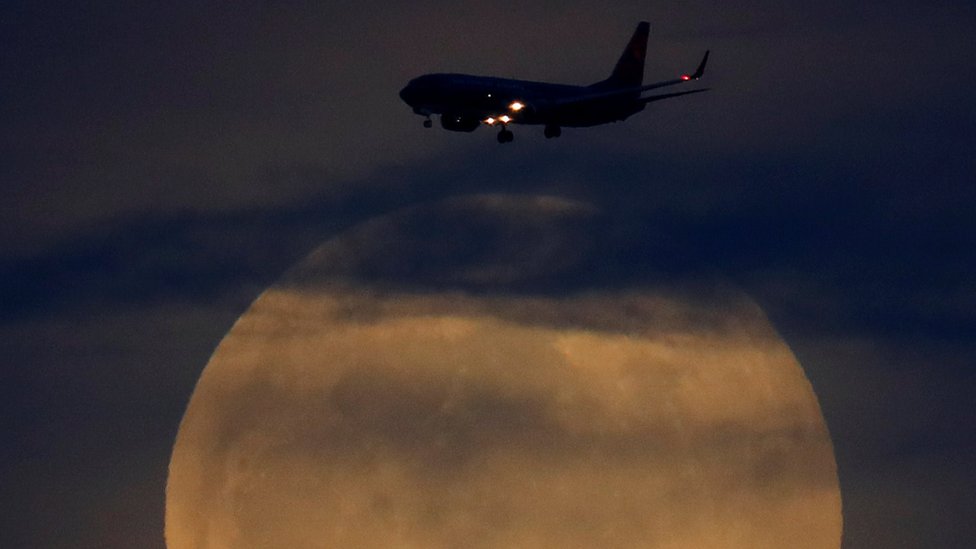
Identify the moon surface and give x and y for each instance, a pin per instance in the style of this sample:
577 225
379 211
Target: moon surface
426 380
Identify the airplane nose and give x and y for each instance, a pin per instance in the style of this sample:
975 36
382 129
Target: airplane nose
408 93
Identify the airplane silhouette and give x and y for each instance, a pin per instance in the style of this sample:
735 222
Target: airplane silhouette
465 102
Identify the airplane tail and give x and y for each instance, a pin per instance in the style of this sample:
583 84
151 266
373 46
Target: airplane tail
629 71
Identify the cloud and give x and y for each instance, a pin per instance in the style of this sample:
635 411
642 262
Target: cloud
170 112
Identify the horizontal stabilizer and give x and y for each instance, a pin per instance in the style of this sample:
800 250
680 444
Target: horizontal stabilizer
670 95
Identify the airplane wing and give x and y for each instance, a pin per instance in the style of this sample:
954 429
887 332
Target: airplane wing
638 89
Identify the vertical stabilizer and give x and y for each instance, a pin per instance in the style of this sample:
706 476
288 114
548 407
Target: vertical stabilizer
629 71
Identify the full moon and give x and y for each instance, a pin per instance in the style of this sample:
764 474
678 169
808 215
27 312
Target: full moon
431 379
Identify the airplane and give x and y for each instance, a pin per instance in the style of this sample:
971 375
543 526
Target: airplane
466 102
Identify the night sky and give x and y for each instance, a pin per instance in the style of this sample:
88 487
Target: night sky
163 164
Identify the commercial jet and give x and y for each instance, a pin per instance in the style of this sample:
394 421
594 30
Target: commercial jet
465 102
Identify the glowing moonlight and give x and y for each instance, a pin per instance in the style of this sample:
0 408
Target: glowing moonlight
362 403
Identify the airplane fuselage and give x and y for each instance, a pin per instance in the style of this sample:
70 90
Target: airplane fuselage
490 97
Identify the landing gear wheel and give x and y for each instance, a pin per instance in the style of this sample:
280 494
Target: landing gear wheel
552 131
505 136
428 123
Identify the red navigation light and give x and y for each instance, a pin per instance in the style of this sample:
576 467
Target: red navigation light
685 77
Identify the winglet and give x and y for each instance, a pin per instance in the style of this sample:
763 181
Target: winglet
701 67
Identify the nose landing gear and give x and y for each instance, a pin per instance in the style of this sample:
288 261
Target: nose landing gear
552 131
505 135
428 123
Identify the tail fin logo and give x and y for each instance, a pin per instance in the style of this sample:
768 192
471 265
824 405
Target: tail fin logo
630 67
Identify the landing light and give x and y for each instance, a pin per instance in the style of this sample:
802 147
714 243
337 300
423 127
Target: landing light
516 106
504 118
489 121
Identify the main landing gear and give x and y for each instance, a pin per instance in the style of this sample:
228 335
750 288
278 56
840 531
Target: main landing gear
505 135
428 123
552 131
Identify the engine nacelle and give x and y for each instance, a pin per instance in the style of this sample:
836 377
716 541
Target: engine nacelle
459 122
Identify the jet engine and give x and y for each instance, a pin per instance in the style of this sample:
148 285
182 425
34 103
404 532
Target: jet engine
459 122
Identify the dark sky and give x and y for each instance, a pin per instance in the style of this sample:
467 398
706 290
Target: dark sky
163 163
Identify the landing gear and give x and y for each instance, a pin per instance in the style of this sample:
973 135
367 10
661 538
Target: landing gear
428 123
552 131
505 136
